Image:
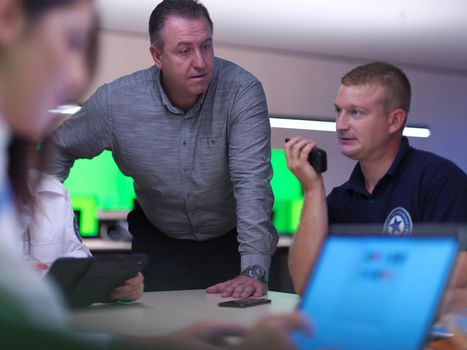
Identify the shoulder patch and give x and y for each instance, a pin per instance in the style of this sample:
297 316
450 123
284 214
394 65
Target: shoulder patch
398 222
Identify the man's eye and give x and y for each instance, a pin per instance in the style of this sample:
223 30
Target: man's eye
206 46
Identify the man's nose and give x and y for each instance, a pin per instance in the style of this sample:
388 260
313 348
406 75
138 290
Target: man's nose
199 62
342 121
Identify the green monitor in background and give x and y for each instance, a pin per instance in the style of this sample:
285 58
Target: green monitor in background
288 195
98 184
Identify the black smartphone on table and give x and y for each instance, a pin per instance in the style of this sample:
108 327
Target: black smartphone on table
242 303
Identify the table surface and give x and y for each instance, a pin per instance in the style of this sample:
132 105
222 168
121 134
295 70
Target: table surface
159 313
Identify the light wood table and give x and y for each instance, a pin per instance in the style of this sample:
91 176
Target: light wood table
159 313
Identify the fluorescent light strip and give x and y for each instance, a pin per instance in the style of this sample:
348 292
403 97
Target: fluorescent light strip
284 123
321 125
302 124
66 109
412 131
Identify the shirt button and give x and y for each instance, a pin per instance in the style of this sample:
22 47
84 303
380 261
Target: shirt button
184 143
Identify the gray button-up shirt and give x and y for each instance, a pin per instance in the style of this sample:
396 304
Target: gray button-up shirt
197 174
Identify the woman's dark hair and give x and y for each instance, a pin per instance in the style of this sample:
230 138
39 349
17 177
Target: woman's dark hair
21 153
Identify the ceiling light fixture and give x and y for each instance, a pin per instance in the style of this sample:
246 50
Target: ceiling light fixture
285 123
330 126
66 109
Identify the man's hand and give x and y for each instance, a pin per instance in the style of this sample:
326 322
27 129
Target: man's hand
296 152
132 289
240 287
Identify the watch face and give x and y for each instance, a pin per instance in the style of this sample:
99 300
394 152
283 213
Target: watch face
256 272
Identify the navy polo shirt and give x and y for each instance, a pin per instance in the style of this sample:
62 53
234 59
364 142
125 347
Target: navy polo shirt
426 186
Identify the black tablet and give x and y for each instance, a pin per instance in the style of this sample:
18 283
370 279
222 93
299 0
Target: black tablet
85 281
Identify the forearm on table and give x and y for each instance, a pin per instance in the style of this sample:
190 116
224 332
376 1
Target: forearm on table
257 236
263 260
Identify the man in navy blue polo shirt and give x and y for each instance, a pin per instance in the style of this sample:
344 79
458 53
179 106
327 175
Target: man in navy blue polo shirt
392 183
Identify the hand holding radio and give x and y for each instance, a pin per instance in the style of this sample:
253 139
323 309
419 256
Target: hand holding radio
317 159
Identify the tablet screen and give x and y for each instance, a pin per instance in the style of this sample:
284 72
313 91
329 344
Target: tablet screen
376 292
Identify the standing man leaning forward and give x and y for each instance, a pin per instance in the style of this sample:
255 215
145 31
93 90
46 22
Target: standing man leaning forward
193 132
391 179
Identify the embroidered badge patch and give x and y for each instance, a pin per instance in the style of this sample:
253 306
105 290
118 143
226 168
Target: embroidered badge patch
398 222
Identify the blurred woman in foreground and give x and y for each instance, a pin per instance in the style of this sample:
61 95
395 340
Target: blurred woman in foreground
47 54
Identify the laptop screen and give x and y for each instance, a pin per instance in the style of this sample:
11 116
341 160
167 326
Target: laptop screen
375 292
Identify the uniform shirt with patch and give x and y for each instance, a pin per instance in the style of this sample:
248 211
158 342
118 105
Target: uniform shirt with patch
426 186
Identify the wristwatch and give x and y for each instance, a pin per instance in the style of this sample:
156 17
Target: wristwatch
256 272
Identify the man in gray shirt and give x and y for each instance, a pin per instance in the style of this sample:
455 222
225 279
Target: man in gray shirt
193 132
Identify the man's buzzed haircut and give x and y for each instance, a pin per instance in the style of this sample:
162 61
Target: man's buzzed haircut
386 75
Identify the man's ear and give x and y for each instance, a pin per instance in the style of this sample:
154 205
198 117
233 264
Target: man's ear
397 120
156 56
11 22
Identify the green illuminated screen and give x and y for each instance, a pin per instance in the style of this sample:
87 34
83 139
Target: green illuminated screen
98 184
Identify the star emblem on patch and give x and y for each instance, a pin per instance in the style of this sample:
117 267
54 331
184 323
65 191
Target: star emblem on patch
398 222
